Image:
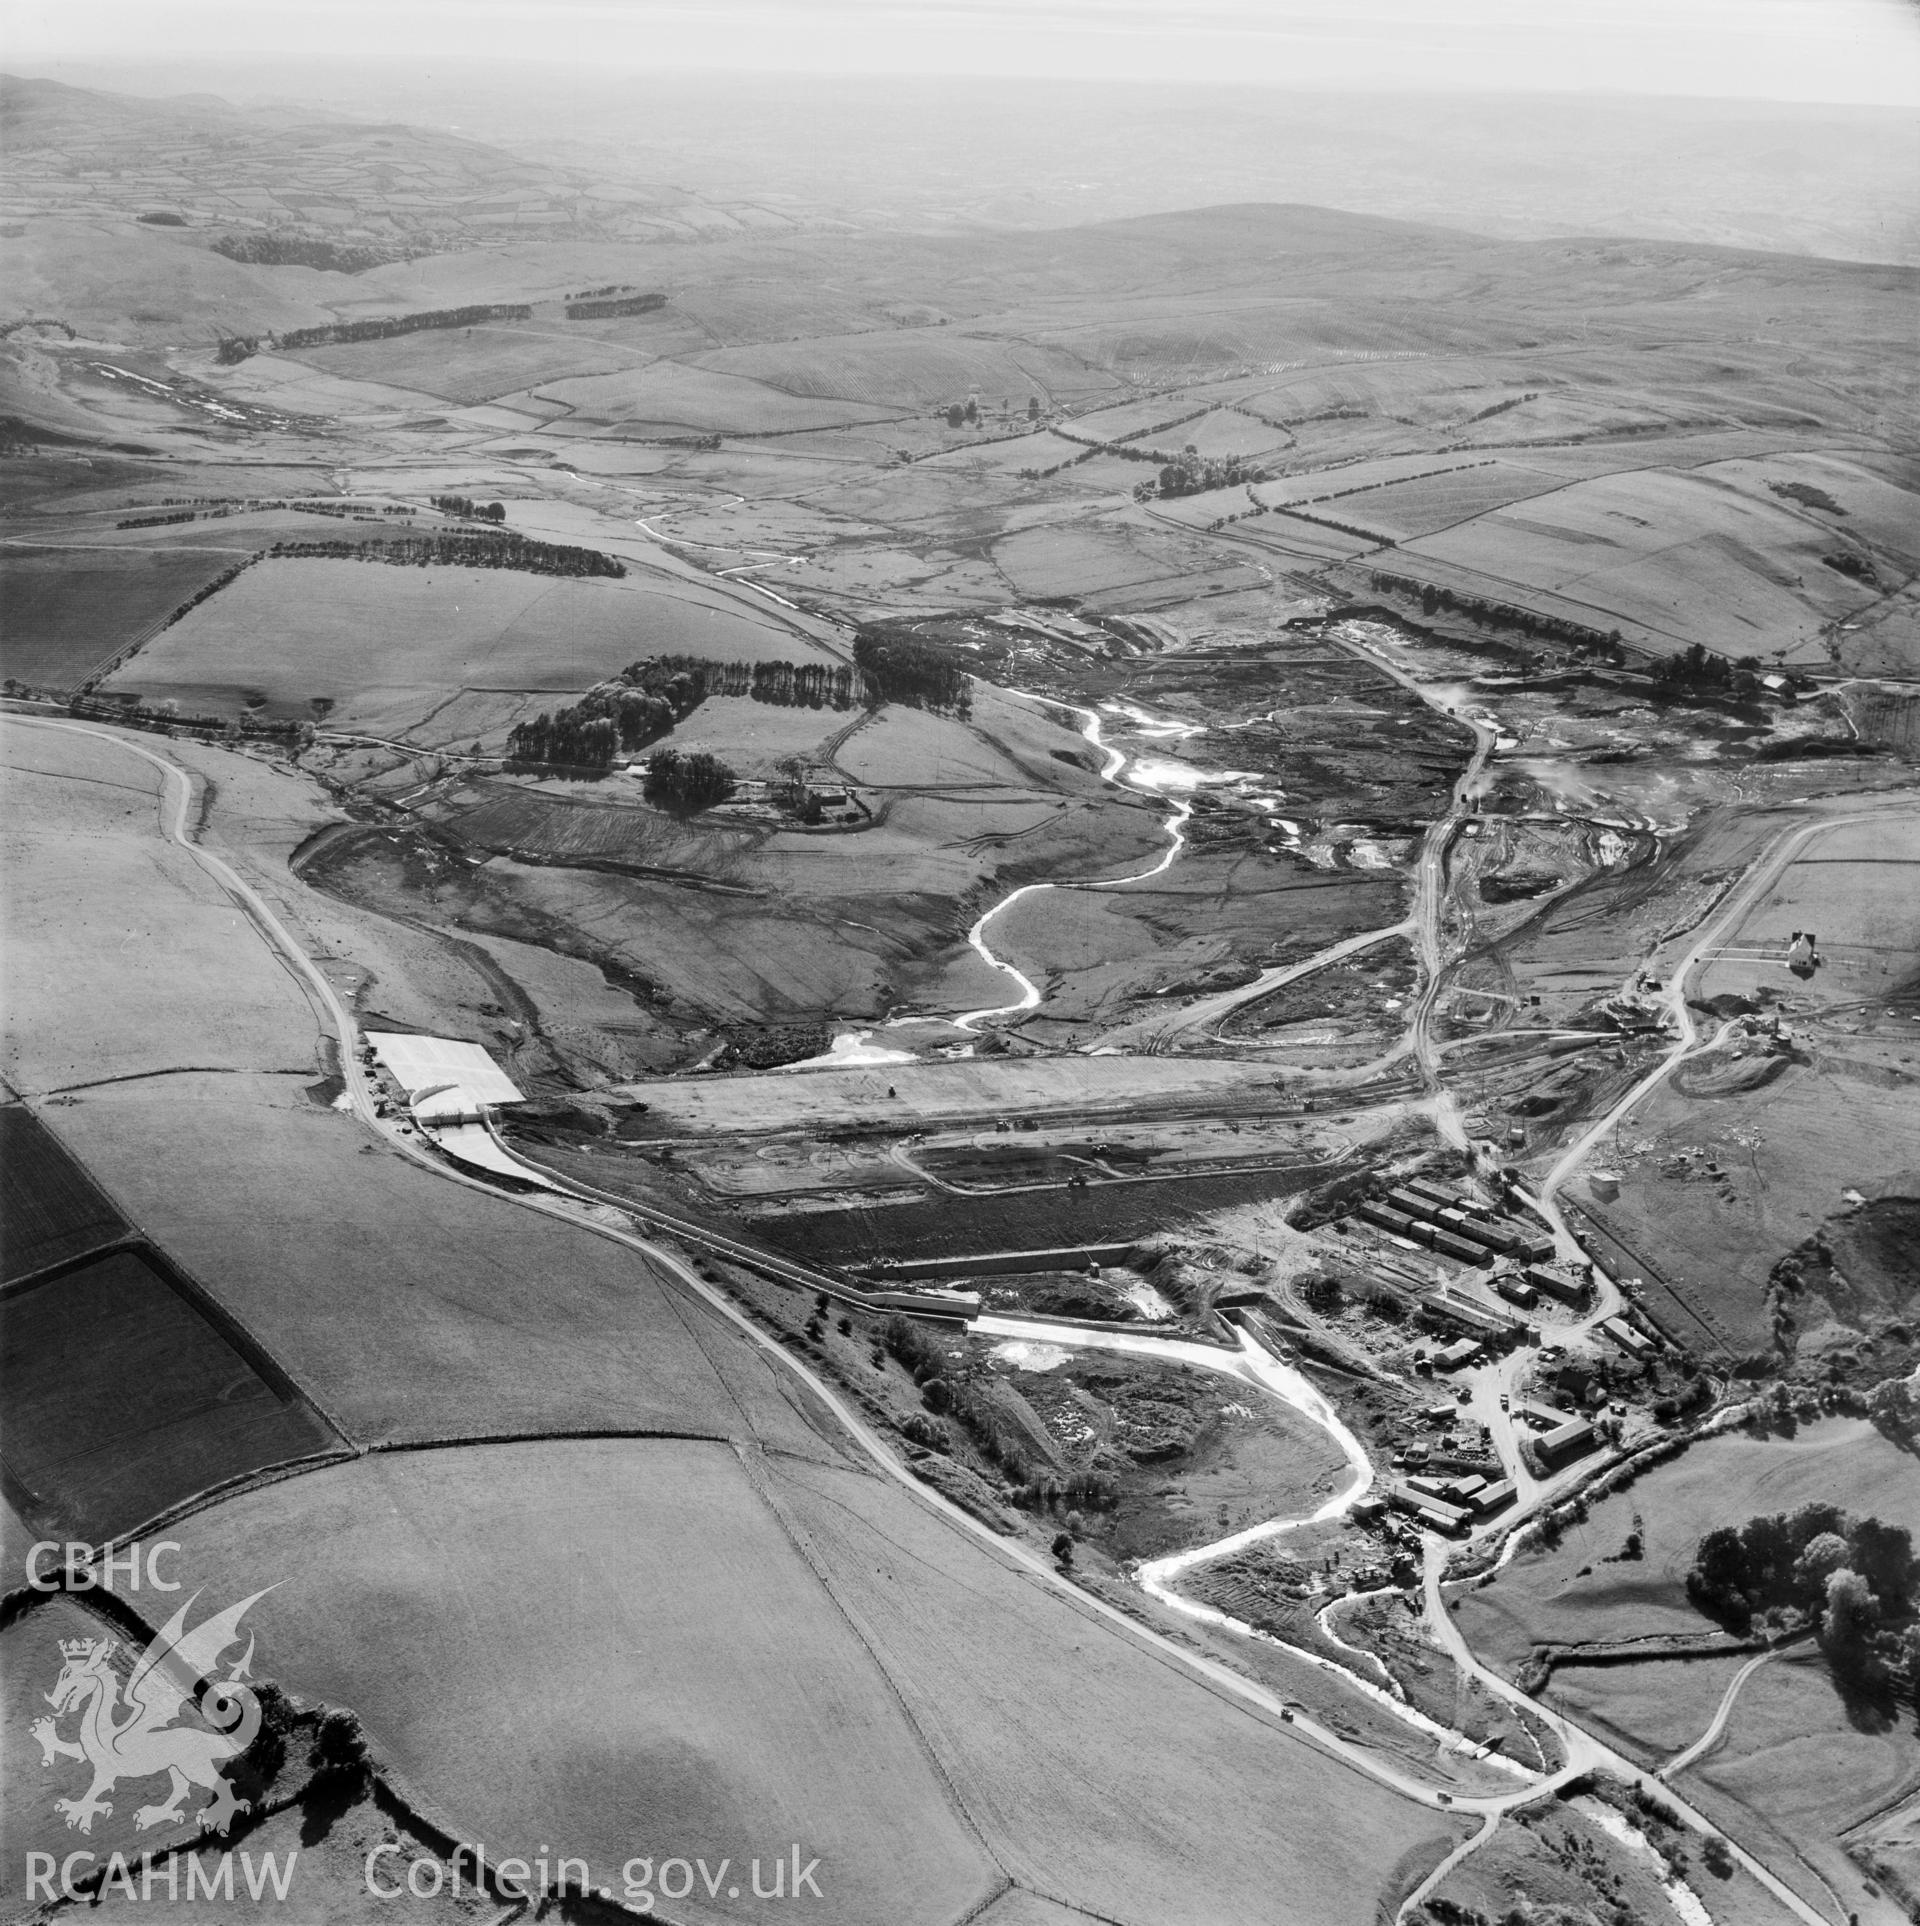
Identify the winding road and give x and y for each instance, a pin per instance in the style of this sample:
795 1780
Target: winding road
1251 1363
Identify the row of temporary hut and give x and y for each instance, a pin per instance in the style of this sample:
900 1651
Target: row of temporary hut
1457 1226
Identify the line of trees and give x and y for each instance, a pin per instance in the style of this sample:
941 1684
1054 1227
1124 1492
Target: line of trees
462 548
1300 514
902 668
804 685
212 588
1500 408
471 509
275 248
1395 481
1495 615
384 327
594 308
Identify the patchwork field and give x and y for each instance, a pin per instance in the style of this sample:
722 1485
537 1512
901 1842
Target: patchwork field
606 1577
1678 556
50 1209
65 611
503 358
178 1400
912 369
671 398
1101 560
305 639
410 1308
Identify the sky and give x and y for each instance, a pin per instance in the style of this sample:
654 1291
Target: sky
1864 51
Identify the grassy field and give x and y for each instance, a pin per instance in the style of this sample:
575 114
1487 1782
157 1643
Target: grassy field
670 398
1076 1753
412 1309
1413 508
30 1661
175 1404
298 632
63 613
679 1681
1676 556
1095 559
1806 1762
502 358
50 1209
917 369
106 918
1572 1595
1651 1710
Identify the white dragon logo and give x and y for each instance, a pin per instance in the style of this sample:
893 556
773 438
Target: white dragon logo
146 1742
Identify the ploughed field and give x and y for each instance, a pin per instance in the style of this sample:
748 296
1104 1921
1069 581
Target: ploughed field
177 1400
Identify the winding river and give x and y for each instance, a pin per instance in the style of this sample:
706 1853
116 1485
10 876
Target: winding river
1150 777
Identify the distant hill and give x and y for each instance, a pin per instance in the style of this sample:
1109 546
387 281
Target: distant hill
226 170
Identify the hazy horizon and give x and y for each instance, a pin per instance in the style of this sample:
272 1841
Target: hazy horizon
942 151
1859 52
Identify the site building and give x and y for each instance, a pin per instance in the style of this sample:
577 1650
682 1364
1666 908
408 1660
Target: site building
1432 1513
1563 1290
1636 1344
1565 1441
